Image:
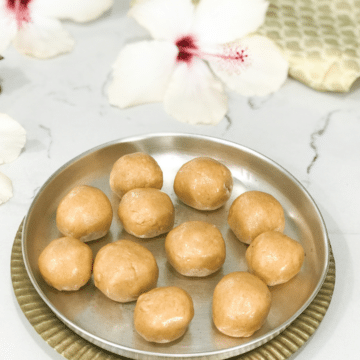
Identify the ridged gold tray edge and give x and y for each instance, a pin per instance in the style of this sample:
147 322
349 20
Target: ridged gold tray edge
74 347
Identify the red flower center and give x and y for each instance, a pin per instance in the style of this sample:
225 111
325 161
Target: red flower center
187 49
20 8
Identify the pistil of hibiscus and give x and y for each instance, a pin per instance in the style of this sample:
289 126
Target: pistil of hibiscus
20 10
232 57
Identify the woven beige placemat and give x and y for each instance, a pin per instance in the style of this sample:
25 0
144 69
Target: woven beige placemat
74 347
320 39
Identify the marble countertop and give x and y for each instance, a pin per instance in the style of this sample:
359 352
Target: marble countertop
63 106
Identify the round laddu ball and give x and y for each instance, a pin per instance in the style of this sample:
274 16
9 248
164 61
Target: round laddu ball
195 248
146 212
84 213
135 170
203 183
123 270
66 263
253 213
241 304
163 314
274 257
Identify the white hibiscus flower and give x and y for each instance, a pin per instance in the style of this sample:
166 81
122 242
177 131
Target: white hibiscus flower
197 50
12 140
34 27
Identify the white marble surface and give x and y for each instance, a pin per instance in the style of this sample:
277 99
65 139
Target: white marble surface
63 106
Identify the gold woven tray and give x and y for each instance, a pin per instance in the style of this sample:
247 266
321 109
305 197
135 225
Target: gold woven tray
319 38
74 347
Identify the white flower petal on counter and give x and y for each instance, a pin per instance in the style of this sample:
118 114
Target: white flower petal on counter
34 25
221 21
195 96
76 10
164 19
43 38
141 73
265 74
6 189
12 139
8 28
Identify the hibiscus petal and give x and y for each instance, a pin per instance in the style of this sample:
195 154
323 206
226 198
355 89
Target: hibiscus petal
221 21
141 73
12 139
164 19
5 188
266 72
43 38
77 10
194 95
8 28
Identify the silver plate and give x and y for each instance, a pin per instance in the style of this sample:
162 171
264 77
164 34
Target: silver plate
109 324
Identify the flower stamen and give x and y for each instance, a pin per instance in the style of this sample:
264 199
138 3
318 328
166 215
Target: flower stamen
232 57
